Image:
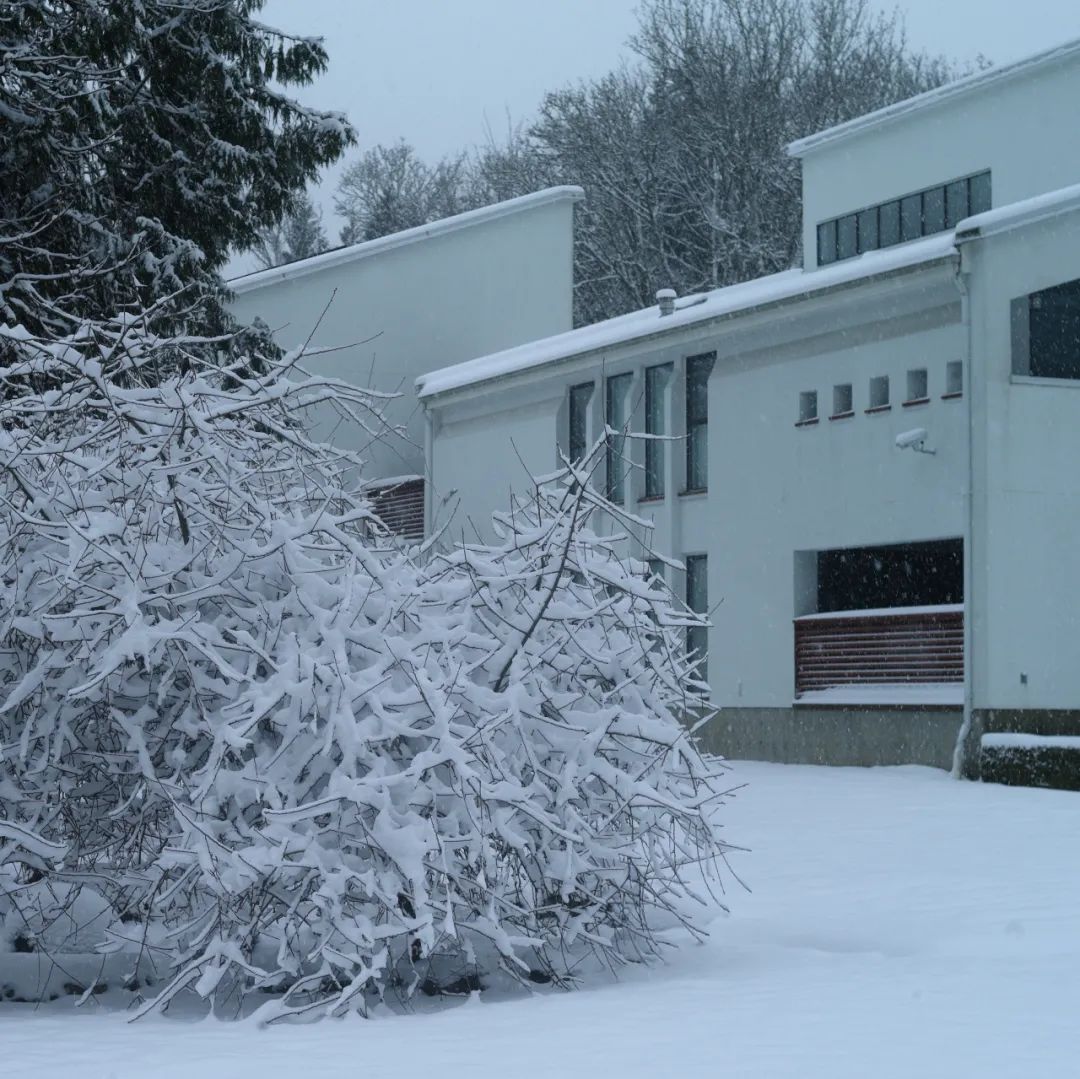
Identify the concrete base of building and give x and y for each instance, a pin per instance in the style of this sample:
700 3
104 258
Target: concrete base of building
1041 721
853 736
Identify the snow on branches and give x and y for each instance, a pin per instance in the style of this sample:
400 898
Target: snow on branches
287 756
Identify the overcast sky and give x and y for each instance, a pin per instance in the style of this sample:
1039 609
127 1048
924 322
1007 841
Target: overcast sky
438 72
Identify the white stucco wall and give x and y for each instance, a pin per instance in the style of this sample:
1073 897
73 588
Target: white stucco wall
1021 129
1027 483
502 279
774 488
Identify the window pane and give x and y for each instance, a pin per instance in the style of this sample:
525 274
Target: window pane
889 224
580 396
697 599
618 390
826 243
879 391
1055 331
807 406
917 384
979 193
656 384
956 203
868 232
933 208
846 237
698 369
954 377
911 217
842 399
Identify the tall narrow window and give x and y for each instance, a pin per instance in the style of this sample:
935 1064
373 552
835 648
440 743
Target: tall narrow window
979 193
697 599
617 413
698 369
580 396
657 380
954 379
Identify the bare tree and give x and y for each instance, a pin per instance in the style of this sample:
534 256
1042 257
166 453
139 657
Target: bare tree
298 236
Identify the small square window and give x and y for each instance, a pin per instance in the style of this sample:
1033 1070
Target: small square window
842 400
916 386
808 406
889 224
826 243
868 230
847 233
933 208
911 217
879 392
954 378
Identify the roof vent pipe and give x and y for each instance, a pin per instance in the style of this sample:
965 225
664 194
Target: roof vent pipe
666 299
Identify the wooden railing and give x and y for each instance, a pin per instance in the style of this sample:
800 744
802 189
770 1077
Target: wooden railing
893 646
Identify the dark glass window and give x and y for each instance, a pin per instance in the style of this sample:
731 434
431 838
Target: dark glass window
911 217
617 415
933 211
868 232
580 396
904 575
956 203
847 233
826 243
1054 332
698 369
656 384
889 224
697 599
979 193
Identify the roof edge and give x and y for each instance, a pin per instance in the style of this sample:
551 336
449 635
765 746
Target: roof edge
354 252
939 95
1016 215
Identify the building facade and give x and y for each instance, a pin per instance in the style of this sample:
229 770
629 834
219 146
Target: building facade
870 464
380 313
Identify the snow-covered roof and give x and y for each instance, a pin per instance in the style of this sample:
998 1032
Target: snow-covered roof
967 85
354 252
1017 214
690 310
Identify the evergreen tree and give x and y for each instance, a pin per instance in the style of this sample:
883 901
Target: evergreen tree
141 141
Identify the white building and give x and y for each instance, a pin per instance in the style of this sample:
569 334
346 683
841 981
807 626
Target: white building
400 305
866 597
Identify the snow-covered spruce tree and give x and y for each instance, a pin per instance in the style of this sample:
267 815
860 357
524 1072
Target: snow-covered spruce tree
140 141
285 755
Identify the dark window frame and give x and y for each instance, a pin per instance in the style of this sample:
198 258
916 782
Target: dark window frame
657 384
697 599
577 447
615 473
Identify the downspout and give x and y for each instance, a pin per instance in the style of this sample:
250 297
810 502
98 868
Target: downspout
961 750
429 471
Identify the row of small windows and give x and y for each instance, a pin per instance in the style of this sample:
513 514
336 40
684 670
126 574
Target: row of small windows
618 409
922 213
917 393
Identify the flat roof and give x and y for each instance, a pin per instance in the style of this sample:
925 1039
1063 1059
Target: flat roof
353 252
690 310
937 96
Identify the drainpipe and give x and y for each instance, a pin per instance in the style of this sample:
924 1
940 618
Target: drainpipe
961 754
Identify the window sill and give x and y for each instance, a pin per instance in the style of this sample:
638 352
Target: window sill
690 492
841 416
916 401
1039 380
645 499
952 396
878 409
806 423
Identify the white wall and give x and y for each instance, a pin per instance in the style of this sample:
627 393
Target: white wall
1021 129
1027 478
774 488
405 310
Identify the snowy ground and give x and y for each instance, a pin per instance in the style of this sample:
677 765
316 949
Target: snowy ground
901 924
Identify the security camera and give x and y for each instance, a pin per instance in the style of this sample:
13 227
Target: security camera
915 439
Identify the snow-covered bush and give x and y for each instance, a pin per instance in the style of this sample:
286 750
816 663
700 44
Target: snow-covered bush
287 755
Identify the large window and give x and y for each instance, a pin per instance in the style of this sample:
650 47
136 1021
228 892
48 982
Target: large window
698 369
921 213
617 415
580 396
1046 332
697 599
657 380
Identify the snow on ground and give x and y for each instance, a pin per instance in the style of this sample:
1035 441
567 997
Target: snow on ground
901 924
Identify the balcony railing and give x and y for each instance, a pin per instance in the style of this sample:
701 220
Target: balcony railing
889 655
